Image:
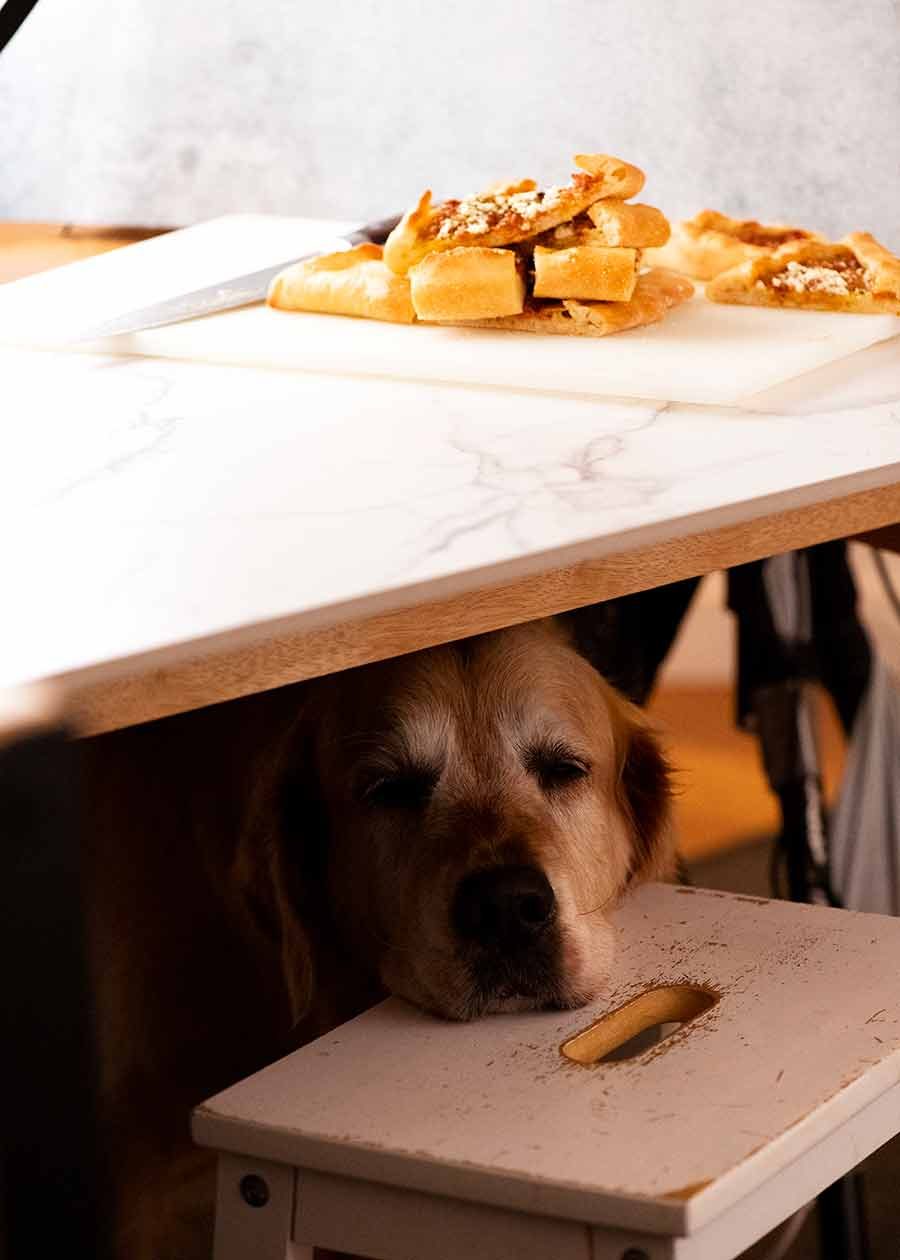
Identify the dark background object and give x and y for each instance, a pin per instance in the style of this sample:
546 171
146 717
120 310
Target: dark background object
12 14
52 1200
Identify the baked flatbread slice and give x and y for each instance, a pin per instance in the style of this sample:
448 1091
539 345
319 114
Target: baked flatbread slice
612 223
350 282
856 274
709 243
596 273
468 283
655 293
632 226
505 215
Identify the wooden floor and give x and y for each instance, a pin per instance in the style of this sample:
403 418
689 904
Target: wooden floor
723 799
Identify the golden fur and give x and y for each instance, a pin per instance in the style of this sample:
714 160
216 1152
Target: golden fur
265 869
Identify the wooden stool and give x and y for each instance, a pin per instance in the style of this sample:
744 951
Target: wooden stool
404 1137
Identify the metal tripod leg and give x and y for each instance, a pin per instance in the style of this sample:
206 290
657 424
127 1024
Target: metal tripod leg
783 723
778 632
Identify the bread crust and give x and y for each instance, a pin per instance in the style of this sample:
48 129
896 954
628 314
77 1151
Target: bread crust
620 223
577 231
506 215
881 265
857 275
597 273
711 242
350 282
471 282
655 293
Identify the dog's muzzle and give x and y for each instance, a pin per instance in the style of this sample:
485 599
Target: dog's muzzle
505 920
504 910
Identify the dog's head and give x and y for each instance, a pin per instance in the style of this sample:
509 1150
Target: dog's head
470 814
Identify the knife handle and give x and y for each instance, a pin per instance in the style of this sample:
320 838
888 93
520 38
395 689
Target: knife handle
376 232
241 291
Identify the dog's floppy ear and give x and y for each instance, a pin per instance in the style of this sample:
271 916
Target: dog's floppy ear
643 775
278 850
643 789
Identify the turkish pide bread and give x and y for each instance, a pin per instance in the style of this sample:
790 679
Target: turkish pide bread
559 260
710 243
350 282
594 272
655 293
633 226
856 274
507 214
473 283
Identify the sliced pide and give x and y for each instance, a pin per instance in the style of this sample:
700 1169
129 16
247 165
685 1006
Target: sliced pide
711 242
350 282
468 283
656 292
566 260
620 223
857 275
593 272
510 213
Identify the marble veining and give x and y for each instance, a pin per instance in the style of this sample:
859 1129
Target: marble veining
151 505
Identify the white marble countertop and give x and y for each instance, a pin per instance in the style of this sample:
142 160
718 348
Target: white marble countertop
159 508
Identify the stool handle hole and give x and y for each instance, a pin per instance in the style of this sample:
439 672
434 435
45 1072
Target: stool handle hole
641 1023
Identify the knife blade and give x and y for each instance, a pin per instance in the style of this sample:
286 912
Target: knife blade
241 291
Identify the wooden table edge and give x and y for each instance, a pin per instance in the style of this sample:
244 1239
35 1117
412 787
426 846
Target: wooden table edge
241 663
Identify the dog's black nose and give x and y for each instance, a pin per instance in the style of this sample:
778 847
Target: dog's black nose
505 907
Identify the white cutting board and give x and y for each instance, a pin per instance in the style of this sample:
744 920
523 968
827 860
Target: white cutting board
701 353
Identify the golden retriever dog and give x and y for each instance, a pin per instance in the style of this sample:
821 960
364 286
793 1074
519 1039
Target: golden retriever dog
452 826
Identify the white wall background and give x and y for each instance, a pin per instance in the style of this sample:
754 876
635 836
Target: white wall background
169 111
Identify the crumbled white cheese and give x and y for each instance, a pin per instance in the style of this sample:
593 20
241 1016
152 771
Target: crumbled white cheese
803 279
477 215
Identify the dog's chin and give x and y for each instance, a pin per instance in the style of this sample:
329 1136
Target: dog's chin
511 1003
469 989
478 1000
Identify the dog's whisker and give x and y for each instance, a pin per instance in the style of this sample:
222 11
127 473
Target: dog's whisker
604 905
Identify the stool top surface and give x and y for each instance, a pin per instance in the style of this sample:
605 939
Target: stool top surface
805 1034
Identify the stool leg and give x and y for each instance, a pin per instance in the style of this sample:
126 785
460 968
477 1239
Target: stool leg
255 1211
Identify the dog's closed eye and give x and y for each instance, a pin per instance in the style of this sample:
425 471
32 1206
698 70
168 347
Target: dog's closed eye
407 788
555 765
